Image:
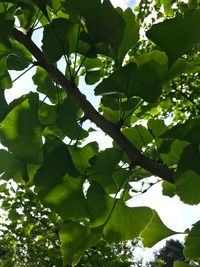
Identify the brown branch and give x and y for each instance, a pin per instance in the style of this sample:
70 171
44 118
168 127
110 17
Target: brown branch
108 127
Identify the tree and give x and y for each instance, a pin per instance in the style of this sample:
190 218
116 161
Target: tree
30 235
46 142
167 255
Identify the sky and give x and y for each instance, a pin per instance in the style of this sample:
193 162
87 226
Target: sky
175 214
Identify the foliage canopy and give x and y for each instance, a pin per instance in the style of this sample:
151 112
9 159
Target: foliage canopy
46 134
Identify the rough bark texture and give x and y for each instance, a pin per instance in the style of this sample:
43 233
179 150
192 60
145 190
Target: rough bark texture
108 127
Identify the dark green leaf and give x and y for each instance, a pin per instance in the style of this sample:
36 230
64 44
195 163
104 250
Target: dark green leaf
60 38
183 33
68 122
102 22
99 204
109 159
121 82
130 35
183 264
187 187
6 22
93 77
189 131
55 166
168 189
192 243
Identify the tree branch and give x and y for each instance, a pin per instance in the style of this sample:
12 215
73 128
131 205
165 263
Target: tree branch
108 127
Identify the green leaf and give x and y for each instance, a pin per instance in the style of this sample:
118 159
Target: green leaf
21 132
190 159
92 64
183 33
93 77
68 120
130 34
57 163
171 151
129 80
14 215
189 131
183 264
8 56
19 57
47 114
66 198
192 243
59 38
6 22
126 223
45 85
180 66
153 67
168 189
156 127
155 231
187 187
81 156
5 79
101 23
75 239
109 159
99 204
10 167
138 135
121 82
167 4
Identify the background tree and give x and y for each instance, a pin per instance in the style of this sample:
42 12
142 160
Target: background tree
167 255
45 133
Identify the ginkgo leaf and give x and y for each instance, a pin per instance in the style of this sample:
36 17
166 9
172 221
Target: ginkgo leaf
155 231
126 223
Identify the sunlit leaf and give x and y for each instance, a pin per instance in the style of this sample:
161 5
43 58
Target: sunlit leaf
138 135
81 156
72 246
21 130
65 198
155 231
126 223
